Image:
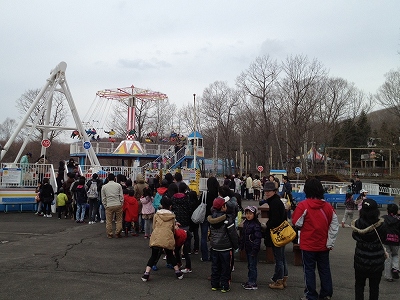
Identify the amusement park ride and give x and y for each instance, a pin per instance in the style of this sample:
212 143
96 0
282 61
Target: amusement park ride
88 146
149 158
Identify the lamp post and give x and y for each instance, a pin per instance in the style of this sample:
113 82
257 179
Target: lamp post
194 133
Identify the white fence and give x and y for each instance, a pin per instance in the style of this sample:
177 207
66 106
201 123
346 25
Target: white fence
25 175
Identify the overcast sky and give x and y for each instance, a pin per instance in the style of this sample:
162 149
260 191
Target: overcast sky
180 47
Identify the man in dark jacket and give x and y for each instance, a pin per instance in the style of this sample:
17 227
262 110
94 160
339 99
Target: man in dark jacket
224 240
277 214
94 197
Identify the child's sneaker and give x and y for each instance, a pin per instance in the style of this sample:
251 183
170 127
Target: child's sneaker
214 289
145 277
179 275
154 268
250 286
186 270
395 274
225 289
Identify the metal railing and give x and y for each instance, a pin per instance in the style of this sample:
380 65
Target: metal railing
108 148
25 175
103 171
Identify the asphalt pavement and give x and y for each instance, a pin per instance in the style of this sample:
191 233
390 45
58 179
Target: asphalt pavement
48 258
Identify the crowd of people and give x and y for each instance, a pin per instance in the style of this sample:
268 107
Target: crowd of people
161 210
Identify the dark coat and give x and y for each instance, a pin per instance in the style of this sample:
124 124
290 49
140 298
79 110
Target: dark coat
46 193
223 234
276 215
392 227
250 239
182 208
369 256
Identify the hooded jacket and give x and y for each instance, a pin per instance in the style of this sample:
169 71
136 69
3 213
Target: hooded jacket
392 227
157 199
163 230
130 208
369 256
250 239
182 209
139 186
318 224
223 234
147 205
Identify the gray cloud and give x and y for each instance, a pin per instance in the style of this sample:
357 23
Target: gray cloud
141 64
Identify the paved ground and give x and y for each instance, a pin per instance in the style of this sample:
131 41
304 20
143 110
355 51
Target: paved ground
47 258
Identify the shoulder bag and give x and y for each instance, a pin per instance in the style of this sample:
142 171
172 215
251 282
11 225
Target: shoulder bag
199 213
283 234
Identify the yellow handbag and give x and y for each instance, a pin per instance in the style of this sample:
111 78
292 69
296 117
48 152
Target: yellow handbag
283 234
288 203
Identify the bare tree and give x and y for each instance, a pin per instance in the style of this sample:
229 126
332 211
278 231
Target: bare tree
160 117
389 93
337 99
259 83
149 116
299 97
218 107
58 115
186 118
119 120
7 128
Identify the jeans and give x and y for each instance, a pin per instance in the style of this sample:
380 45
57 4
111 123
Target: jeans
221 268
374 280
252 267
93 209
204 239
47 208
80 211
311 259
348 213
148 226
280 263
195 232
392 261
102 212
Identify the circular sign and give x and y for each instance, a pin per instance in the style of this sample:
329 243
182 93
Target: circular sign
297 170
87 145
260 168
46 143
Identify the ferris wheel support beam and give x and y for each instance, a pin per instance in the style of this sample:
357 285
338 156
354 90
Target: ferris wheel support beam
94 161
57 77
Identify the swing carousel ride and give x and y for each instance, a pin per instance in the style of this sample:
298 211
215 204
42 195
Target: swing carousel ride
162 153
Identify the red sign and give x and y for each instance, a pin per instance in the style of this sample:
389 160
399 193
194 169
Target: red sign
260 168
46 143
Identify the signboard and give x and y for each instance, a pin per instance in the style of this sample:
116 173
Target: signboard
12 175
86 145
297 170
46 143
260 169
188 175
